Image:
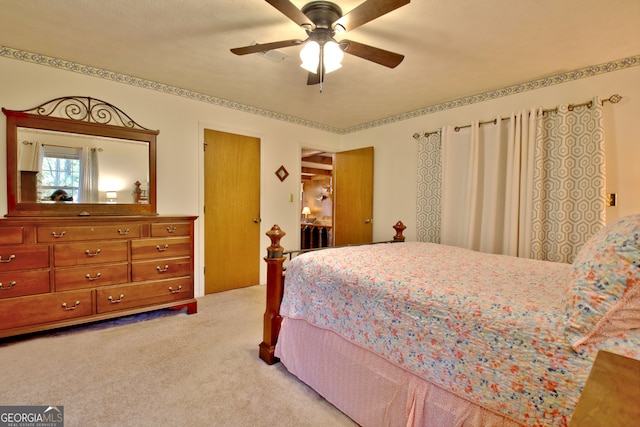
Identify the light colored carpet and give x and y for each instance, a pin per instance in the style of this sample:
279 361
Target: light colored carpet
164 368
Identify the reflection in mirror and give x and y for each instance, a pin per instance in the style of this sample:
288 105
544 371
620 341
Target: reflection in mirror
87 168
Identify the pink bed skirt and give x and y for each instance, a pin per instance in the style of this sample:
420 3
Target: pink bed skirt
369 389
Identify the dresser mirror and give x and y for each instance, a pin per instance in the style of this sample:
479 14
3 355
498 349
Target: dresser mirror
79 156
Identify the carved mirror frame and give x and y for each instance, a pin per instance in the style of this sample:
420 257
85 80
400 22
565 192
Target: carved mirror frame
79 115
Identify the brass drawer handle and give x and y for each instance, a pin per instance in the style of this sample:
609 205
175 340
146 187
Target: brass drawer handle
123 232
56 235
73 307
163 270
162 249
11 257
116 301
88 252
11 285
97 276
172 229
175 291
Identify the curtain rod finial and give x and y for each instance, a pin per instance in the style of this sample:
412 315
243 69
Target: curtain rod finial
614 99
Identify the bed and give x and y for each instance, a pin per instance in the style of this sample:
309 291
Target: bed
421 334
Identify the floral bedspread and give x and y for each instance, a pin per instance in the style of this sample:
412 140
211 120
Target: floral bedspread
485 327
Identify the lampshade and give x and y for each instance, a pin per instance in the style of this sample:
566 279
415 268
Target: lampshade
331 53
112 194
310 56
306 210
332 56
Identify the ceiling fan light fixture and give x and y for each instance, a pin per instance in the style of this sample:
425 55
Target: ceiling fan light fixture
310 56
322 20
333 56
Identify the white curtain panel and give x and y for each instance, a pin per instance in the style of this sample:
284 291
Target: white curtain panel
520 162
30 156
429 189
487 185
569 191
89 176
473 187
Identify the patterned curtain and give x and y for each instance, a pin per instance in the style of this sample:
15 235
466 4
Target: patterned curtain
89 175
569 181
429 188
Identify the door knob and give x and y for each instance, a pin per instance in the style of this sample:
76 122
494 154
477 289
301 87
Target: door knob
257 220
367 220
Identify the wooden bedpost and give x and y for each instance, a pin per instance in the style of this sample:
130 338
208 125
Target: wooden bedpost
275 283
399 227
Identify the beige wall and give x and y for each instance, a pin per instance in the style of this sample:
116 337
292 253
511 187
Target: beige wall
181 122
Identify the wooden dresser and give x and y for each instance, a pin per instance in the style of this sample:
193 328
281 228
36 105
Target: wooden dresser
62 271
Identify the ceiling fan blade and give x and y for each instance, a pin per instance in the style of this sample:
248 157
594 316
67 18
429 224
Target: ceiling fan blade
370 53
263 47
314 78
292 12
368 11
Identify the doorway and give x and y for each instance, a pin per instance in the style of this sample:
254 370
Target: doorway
337 189
231 211
316 197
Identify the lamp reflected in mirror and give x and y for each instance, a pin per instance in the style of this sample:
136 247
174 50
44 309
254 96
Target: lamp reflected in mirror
112 196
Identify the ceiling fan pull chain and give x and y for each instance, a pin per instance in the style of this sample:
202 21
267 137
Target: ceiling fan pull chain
321 67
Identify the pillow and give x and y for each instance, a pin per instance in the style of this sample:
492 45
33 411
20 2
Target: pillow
603 295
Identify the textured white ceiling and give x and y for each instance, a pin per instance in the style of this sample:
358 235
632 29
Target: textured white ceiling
452 49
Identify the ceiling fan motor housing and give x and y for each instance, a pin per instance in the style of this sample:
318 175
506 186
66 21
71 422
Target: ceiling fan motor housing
322 13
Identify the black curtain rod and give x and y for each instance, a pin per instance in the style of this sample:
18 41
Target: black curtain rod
614 99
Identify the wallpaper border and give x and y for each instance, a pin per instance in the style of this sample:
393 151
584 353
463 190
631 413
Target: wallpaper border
61 64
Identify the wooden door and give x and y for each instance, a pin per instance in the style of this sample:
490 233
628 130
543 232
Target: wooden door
353 197
232 211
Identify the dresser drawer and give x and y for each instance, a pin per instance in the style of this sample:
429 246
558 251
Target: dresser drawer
160 248
68 254
140 295
32 310
90 276
21 283
23 257
171 229
160 269
11 236
89 232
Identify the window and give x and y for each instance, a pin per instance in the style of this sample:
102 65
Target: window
60 170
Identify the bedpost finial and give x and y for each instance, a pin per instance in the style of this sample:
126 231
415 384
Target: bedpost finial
399 227
275 234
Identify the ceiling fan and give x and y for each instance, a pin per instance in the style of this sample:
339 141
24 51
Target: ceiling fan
322 20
